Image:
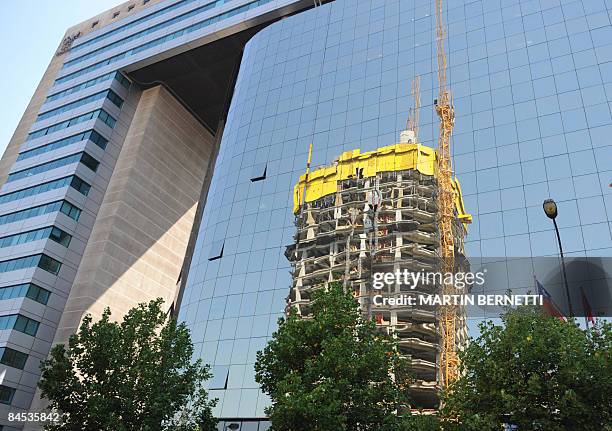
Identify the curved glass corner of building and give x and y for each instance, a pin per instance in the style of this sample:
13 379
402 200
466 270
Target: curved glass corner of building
532 87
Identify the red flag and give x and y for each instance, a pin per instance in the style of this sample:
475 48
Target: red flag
588 311
548 303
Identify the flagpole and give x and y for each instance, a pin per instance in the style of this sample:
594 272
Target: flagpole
586 320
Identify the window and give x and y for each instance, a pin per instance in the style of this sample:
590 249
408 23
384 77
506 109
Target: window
100 113
6 394
25 290
130 7
107 118
118 76
90 135
80 185
114 97
35 235
155 42
62 206
115 15
84 158
70 210
74 181
38 294
19 323
38 260
89 161
26 325
17 291
106 94
34 190
13 358
49 264
30 212
60 237
95 23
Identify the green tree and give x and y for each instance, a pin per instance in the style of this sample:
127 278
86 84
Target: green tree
420 423
536 372
332 371
133 375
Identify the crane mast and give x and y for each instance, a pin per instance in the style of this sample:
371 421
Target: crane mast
414 114
446 215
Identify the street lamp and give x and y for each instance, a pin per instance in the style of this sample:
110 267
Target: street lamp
550 209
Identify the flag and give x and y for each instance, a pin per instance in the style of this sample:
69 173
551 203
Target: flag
586 307
547 302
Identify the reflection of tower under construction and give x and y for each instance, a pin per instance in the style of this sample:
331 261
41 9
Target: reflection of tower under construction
376 212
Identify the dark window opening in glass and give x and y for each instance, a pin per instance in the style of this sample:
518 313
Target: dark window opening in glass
258 172
216 250
219 378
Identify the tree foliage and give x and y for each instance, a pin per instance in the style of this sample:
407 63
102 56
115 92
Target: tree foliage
332 371
536 372
420 422
133 375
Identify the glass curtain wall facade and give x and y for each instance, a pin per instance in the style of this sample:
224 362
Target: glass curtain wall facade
532 86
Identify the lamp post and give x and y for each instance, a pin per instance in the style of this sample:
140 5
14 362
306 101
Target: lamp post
550 209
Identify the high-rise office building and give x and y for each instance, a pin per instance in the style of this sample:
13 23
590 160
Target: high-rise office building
163 143
376 213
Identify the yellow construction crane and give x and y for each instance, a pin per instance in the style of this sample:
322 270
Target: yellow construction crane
413 115
446 214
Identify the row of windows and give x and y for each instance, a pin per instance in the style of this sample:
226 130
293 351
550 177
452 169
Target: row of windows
13 358
51 232
91 135
98 113
38 260
161 40
106 94
25 290
142 33
6 394
138 22
74 182
119 77
61 206
82 157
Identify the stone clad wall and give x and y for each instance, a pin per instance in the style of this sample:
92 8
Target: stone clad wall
138 242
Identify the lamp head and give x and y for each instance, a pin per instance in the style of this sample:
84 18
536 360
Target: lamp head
550 208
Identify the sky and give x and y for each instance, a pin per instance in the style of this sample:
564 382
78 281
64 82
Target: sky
30 32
